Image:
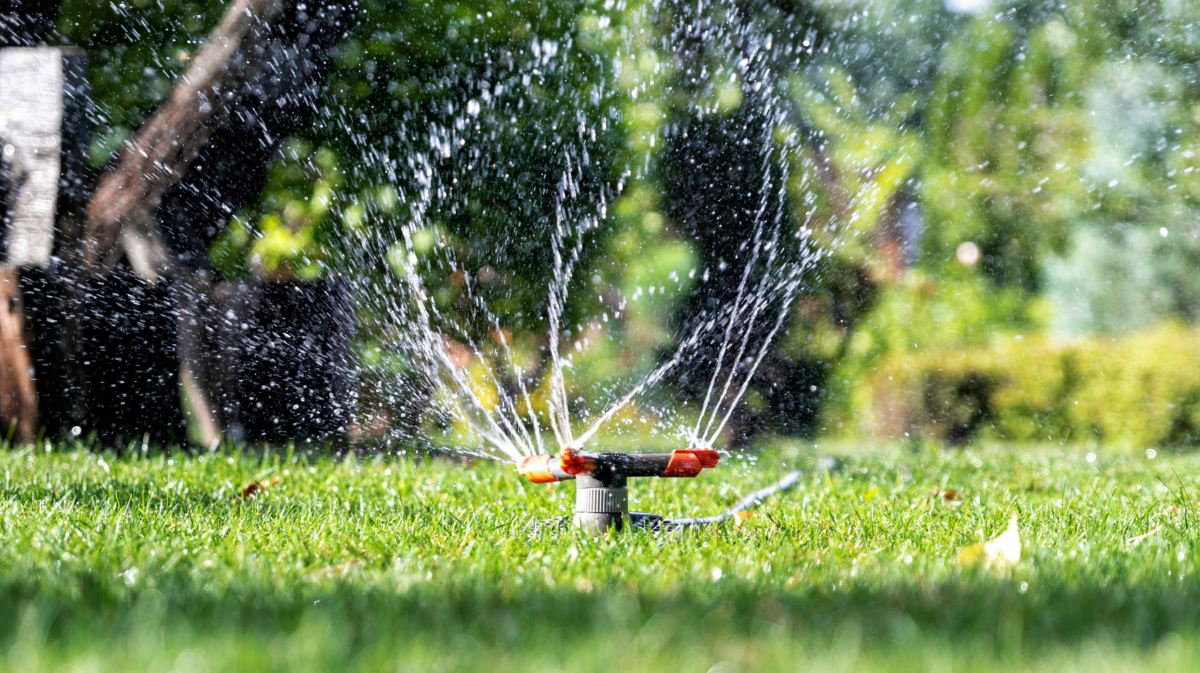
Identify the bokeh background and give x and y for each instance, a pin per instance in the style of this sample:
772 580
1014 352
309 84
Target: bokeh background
1016 179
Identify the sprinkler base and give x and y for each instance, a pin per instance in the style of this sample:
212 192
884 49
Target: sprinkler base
601 502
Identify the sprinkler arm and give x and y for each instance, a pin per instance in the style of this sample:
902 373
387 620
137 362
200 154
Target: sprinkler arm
571 463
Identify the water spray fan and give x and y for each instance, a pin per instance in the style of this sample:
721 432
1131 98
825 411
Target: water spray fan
601 480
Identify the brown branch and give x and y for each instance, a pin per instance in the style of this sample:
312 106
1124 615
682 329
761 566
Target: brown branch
165 146
18 396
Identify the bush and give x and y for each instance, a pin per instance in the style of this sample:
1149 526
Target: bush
1139 390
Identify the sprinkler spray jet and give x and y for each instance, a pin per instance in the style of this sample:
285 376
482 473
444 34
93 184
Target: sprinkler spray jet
601 494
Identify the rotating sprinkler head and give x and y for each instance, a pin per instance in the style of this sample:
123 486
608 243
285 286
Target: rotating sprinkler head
601 492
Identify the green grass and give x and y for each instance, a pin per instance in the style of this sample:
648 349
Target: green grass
153 563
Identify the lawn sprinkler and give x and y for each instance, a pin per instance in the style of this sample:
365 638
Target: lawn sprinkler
601 491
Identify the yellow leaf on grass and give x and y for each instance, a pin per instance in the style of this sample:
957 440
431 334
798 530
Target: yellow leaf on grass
1000 553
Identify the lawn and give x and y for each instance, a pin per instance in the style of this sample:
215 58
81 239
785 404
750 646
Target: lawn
157 562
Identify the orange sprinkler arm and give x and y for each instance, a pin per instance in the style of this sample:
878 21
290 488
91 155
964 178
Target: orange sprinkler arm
571 463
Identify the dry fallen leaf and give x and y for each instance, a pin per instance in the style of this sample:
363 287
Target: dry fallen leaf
742 518
949 495
255 487
1172 510
1138 539
1000 553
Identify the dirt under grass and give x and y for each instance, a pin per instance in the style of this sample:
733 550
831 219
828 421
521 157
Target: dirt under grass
169 563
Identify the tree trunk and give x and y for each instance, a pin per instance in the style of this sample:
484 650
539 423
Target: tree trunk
203 155
18 399
158 156
44 139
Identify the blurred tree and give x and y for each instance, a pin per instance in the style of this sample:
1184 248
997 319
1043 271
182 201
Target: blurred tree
1132 259
199 157
718 173
945 154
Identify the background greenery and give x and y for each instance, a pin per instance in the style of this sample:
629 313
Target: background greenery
1007 169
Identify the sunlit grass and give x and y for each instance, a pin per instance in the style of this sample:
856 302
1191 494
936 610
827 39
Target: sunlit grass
154 562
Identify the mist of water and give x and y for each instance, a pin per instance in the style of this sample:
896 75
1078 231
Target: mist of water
459 360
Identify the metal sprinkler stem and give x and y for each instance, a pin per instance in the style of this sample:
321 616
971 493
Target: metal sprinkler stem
601 504
601 491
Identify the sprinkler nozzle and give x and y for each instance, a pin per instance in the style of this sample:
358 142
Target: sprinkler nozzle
543 469
601 500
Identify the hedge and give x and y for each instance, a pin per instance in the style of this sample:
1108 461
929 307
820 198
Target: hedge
1139 390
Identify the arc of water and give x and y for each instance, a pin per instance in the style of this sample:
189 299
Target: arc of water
737 304
747 332
499 426
507 404
559 409
564 269
513 432
514 427
760 294
789 295
518 374
494 432
509 434
503 426
734 311
491 436
534 442
650 379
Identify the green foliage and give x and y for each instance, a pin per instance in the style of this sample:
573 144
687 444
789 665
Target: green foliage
1123 279
1052 142
411 74
1007 141
919 313
1056 139
290 239
1142 390
135 50
846 181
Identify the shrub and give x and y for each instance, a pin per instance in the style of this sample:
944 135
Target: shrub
1139 390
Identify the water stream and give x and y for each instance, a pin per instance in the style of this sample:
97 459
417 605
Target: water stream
489 397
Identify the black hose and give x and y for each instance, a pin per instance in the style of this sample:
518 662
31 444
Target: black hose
789 480
750 500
